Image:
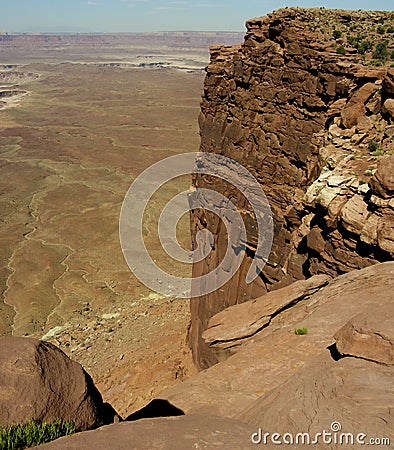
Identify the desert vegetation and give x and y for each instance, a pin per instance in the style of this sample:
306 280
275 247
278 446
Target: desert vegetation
17 437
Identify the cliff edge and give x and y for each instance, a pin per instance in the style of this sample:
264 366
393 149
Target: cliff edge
305 103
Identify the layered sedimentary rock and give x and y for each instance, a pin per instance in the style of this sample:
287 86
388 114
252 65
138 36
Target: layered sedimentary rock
311 122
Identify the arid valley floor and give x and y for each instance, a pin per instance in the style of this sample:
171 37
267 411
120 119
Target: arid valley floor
82 125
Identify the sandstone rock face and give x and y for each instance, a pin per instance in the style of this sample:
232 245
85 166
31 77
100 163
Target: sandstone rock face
311 126
340 370
38 381
170 433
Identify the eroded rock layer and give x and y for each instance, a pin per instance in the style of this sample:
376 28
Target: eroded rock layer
302 106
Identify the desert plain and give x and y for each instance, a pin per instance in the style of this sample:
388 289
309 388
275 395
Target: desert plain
81 117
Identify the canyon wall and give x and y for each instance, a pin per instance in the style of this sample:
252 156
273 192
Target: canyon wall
305 103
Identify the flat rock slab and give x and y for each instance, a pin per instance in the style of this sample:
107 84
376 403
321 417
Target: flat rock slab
170 433
246 319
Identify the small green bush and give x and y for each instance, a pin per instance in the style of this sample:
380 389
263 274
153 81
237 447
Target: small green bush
301 331
16 437
352 40
341 50
364 46
373 146
381 52
380 29
337 34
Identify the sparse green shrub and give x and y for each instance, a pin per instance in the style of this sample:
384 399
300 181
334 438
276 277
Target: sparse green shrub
373 146
337 34
341 50
352 40
364 46
390 29
380 29
15 437
301 331
375 62
381 52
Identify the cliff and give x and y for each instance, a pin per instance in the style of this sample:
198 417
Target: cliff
306 105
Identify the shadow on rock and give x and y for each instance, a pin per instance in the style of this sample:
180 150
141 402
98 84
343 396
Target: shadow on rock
156 408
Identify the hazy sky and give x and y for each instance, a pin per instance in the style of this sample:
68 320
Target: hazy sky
151 15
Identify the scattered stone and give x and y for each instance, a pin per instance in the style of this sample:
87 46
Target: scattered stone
364 124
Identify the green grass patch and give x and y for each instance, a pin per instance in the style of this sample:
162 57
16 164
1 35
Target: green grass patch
301 331
33 433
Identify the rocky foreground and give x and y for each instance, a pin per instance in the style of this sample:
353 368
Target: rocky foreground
270 378
309 348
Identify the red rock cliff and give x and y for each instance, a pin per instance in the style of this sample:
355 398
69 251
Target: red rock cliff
309 112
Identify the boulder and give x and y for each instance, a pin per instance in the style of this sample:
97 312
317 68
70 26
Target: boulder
369 335
364 124
382 182
354 214
388 108
351 114
38 381
355 108
169 433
